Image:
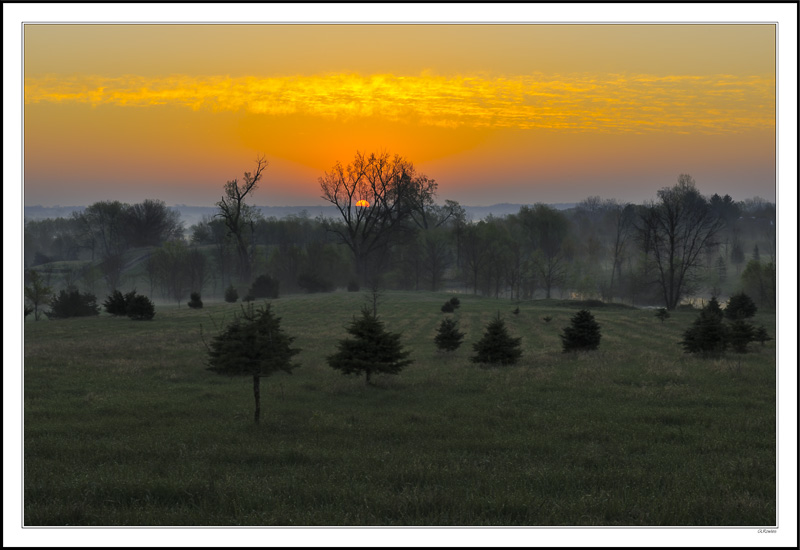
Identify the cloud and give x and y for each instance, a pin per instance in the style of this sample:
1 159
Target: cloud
604 103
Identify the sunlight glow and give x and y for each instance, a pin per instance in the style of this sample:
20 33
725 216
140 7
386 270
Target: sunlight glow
616 103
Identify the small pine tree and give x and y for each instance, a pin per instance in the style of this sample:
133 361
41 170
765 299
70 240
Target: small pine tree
71 303
455 302
496 345
253 344
708 334
662 314
231 294
371 350
740 306
547 318
194 301
761 335
516 311
448 338
740 333
140 308
447 307
583 334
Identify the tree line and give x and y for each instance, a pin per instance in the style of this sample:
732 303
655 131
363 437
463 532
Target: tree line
391 233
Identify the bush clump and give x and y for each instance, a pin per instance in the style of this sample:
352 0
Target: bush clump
264 287
314 282
447 307
71 303
455 302
117 303
583 334
194 301
140 308
497 345
231 294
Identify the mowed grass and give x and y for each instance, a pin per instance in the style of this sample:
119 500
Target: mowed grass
124 426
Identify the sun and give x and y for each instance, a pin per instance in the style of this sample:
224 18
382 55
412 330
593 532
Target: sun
363 203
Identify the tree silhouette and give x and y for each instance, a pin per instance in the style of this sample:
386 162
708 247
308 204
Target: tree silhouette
253 344
677 229
239 216
371 350
374 195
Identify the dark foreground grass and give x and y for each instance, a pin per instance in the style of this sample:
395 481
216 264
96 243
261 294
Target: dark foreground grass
124 426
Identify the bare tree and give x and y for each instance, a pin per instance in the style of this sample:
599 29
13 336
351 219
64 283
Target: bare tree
240 217
374 194
679 226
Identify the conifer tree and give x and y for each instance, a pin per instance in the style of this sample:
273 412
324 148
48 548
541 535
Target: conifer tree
708 334
371 350
253 344
740 306
448 337
496 345
583 334
761 335
740 333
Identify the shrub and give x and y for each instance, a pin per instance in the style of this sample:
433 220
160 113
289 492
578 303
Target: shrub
583 334
547 318
448 338
140 308
496 345
71 303
662 314
740 306
448 307
194 301
371 350
455 302
353 286
116 304
264 287
314 282
231 294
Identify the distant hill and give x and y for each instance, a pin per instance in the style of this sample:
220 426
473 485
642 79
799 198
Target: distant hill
193 214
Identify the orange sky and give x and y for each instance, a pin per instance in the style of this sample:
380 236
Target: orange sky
494 113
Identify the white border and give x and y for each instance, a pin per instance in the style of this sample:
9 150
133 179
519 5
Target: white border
784 14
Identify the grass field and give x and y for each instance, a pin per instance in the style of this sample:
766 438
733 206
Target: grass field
123 425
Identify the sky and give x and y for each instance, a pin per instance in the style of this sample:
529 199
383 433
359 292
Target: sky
517 113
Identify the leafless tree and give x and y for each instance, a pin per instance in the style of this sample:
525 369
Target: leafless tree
239 217
374 195
679 226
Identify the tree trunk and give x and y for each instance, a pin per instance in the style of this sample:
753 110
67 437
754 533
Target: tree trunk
257 395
